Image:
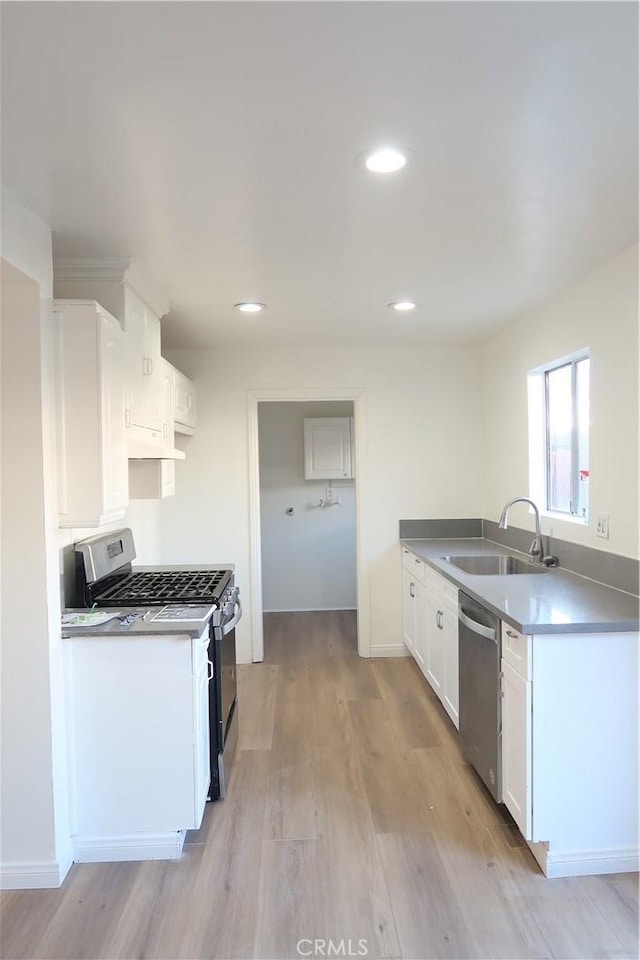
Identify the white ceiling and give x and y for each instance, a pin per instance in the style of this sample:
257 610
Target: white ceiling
217 142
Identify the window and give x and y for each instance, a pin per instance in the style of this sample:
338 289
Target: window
559 435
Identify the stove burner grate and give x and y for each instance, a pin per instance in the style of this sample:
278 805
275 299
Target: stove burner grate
166 587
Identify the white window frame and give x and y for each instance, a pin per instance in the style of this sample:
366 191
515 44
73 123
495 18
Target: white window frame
539 452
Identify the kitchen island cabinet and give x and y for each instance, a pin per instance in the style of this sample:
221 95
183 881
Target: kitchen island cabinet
138 731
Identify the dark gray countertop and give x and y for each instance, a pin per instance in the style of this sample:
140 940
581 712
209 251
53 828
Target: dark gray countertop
556 601
139 628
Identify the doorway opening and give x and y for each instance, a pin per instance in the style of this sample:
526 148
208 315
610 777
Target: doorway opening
307 528
306 537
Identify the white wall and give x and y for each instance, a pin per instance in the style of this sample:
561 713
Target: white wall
600 312
422 451
308 559
27 786
35 828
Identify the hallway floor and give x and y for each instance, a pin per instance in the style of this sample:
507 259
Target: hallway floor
351 817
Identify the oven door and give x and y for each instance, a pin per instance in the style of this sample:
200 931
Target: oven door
228 675
223 713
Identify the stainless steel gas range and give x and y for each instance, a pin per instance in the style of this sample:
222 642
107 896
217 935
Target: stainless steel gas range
105 577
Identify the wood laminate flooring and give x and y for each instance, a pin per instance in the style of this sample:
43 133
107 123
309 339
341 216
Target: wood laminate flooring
351 816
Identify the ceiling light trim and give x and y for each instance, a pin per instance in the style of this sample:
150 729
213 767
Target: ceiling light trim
402 306
250 306
387 159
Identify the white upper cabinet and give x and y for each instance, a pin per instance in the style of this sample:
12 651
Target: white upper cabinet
328 448
117 285
151 386
145 375
184 402
92 446
153 478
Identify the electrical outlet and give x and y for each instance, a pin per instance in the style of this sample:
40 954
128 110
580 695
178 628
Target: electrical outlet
329 493
602 526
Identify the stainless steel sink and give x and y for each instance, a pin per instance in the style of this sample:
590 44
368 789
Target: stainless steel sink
501 565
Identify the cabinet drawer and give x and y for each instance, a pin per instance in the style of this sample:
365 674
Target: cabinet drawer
414 565
516 650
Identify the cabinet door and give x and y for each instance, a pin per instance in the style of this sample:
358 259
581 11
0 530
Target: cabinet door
327 448
134 336
144 388
435 644
154 394
113 435
168 403
450 662
408 610
92 451
420 636
516 747
185 403
133 734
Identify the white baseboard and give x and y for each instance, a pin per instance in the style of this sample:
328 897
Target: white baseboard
32 876
307 609
389 650
584 863
136 846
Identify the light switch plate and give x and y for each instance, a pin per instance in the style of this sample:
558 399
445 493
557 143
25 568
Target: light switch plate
602 526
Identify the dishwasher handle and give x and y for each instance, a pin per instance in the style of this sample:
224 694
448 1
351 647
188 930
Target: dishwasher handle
488 632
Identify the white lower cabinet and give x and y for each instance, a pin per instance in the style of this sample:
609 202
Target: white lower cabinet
570 748
138 729
430 627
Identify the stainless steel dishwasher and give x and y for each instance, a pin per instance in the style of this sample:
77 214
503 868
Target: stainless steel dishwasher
480 701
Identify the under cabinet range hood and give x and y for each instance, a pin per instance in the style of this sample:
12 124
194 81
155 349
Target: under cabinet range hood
143 449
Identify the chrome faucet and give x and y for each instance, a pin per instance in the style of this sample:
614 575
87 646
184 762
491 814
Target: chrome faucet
535 550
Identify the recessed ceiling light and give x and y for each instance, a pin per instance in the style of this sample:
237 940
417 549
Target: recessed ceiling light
253 307
386 160
402 305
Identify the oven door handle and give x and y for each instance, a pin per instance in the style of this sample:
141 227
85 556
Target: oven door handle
228 627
